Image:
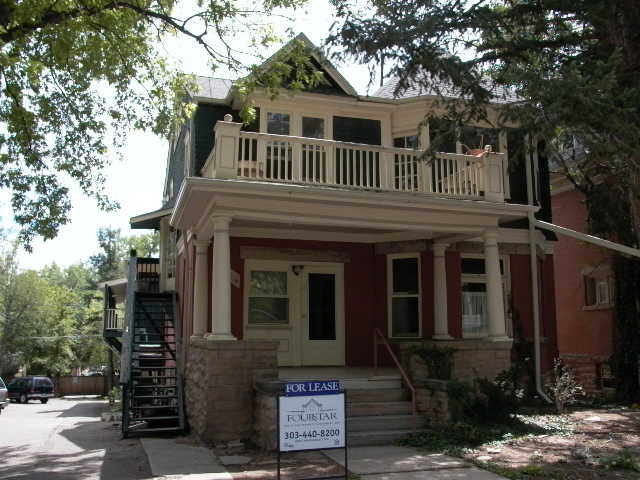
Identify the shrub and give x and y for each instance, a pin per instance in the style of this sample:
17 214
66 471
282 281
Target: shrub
563 389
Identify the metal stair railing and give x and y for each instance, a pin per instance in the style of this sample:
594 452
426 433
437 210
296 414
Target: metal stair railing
378 339
177 335
128 336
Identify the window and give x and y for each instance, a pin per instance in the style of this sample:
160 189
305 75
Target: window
314 159
278 152
442 135
406 165
171 253
403 273
268 298
278 123
477 137
410 141
474 294
599 290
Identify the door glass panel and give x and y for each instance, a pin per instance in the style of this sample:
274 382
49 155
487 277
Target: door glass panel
322 306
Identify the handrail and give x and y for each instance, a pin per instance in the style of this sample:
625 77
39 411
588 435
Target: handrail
377 333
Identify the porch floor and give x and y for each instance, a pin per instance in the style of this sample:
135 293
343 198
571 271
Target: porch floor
337 373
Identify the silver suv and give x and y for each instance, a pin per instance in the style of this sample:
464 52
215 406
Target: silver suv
4 396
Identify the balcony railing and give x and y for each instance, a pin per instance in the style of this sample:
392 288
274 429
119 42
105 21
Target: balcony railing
287 159
113 319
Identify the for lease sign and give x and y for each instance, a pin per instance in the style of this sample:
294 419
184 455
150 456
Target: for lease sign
312 417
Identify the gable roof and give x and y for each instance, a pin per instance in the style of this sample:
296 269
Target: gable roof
215 90
417 88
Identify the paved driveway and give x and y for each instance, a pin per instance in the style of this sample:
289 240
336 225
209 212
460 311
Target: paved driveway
65 439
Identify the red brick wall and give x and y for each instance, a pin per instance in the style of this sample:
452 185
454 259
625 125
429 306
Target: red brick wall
579 331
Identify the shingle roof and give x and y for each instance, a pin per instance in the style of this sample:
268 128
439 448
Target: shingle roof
213 88
419 88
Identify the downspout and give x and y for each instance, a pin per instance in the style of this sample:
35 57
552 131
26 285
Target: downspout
533 257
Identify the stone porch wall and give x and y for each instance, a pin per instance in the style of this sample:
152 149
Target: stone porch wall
265 416
472 359
219 395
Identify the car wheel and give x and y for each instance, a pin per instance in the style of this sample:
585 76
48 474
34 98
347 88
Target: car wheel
23 398
44 400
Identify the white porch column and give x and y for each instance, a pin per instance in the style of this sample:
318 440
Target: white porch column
221 298
441 328
495 301
200 289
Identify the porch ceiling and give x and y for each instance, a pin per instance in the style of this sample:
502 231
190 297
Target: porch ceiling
292 210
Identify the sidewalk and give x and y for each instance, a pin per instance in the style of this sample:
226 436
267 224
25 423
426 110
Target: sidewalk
170 457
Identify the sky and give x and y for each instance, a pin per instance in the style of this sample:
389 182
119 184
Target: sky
136 183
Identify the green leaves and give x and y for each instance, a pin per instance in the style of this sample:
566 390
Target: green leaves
77 75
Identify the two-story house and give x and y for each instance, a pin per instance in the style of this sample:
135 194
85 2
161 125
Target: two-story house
296 241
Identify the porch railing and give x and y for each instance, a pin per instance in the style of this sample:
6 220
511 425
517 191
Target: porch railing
113 319
378 339
287 159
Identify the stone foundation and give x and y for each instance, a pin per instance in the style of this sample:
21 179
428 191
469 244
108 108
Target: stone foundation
219 394
585 371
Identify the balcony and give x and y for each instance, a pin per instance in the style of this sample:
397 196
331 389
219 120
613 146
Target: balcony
327 163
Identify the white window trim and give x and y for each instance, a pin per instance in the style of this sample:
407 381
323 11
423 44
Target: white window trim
610 291
390 296
506 288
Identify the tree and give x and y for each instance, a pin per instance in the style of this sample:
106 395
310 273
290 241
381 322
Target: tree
576 68
57 58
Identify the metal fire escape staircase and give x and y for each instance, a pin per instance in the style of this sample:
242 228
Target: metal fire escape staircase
150 374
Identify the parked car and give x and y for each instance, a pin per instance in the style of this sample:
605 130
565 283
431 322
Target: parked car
4 396
23 389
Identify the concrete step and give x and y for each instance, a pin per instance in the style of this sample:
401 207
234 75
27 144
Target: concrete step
378 395
384 422
370 383
360 409
377 437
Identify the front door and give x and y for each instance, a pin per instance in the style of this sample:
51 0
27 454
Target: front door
322 321
301 306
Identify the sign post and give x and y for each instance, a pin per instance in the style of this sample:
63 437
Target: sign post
311 416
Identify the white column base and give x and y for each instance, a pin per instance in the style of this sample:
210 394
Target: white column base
196 336
499 338
221 336
442 336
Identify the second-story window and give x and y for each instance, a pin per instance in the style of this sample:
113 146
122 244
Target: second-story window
599 290
403 272
406 165
278 123
314 157
279 153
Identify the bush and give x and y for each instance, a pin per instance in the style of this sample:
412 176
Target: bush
563 389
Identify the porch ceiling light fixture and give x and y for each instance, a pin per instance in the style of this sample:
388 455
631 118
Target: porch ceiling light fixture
297 269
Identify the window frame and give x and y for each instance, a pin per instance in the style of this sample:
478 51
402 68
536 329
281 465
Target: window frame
390 294
266 266
596 302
